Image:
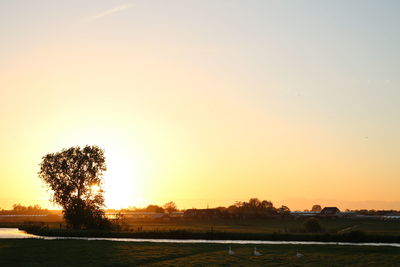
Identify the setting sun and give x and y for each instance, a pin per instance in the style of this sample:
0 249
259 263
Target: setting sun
123 180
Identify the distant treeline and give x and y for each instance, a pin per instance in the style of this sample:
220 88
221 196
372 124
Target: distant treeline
167 208
19 209
149 208
375 212
252 209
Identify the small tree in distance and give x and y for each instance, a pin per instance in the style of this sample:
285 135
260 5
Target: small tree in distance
316 208
154 208
75 177
284 210
170 207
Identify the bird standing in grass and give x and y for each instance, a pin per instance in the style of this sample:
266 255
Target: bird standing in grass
299 255
256 253
230 251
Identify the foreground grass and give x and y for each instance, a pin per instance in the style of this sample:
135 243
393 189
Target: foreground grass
32 252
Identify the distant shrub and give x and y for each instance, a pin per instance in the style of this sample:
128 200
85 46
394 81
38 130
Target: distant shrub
357 235
312 225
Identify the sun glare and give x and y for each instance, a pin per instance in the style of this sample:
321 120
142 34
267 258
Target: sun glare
122 184
123 181
95 189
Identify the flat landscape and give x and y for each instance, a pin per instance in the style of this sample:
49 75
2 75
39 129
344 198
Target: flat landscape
376 225
290 225
199 133
32 252
333 229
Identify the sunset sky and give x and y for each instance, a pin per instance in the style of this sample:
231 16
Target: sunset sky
205 102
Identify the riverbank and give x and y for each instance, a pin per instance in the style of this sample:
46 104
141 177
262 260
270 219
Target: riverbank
353 236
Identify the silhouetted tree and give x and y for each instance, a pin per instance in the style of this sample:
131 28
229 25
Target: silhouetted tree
254 203
170 207
284 210
154 208
266 204
75 177
316 208
252 209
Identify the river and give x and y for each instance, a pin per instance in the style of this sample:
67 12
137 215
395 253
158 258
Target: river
6 233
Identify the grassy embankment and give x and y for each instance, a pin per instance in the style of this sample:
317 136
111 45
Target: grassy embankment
31 252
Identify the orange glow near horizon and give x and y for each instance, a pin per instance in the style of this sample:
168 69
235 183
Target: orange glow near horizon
204 106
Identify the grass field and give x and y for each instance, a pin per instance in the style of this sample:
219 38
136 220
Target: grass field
31 252
332 225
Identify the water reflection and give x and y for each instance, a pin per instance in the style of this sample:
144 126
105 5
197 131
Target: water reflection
243 242
14 233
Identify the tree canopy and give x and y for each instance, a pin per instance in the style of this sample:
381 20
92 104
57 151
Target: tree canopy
316 208
170 207
75 177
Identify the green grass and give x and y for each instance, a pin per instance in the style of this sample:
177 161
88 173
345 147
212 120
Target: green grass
31 252
332 225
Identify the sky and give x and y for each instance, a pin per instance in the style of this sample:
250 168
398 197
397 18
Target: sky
205 102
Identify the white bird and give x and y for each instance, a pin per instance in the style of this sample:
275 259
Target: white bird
256 253
299 255
230 251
